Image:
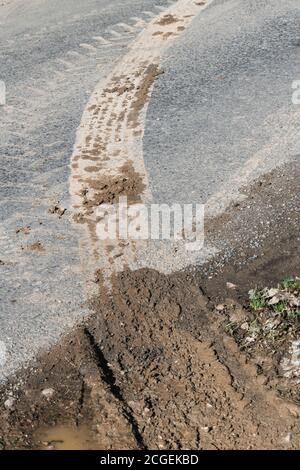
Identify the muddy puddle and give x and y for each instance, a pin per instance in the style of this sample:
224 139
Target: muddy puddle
66 438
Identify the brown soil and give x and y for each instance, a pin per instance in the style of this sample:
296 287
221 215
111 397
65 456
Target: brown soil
267 338
262 232
156 366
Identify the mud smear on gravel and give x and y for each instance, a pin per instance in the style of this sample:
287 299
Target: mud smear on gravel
108 190
110 137
36 247
142 95
167 19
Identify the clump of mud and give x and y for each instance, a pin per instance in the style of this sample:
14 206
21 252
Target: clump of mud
167 19
107 190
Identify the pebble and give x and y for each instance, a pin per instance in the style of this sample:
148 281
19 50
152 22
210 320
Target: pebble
48 392
230 285
206 429
220 307
9 403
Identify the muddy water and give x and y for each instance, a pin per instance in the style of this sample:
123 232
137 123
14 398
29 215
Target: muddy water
66 438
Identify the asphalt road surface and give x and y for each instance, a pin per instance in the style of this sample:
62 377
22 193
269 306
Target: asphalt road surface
224 100
225 97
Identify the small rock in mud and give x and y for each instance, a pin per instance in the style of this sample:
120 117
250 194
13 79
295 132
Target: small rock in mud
229 285
48 392
9 403
220 307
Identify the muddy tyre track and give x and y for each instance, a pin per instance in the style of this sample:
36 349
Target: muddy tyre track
107 161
